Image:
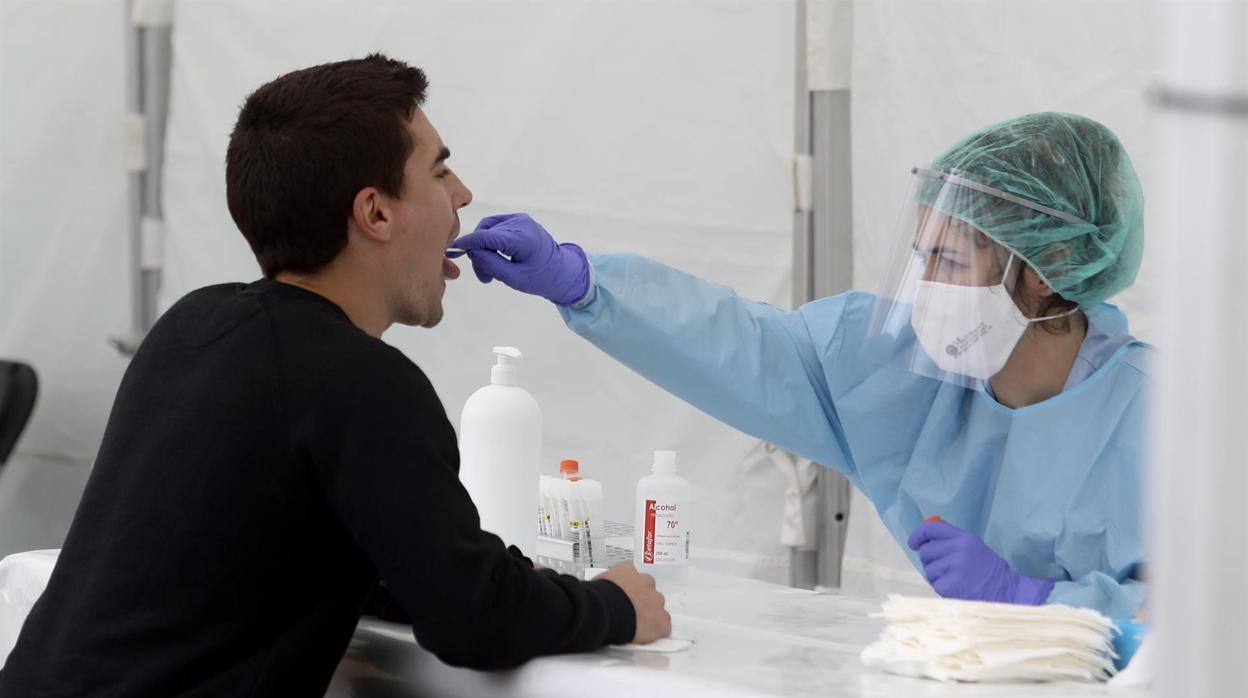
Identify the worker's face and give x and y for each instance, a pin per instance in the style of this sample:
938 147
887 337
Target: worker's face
951 251
425 221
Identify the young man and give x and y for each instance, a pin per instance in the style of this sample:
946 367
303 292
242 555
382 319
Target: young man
269 459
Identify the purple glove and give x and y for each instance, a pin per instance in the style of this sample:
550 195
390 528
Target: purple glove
537 264
959 565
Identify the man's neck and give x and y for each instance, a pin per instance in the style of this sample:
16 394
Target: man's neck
356 297
1040 364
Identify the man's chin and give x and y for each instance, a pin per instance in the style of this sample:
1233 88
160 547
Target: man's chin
432 321
416 318
429 319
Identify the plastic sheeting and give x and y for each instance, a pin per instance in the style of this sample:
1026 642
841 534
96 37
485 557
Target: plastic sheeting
23 577
663 128
926 72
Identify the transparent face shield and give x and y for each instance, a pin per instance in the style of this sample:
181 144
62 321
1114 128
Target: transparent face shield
946 309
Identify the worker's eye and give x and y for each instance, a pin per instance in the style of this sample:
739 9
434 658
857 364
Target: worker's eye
444 173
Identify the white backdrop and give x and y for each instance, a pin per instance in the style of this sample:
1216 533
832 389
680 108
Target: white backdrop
926 72
64 248
64 276
663 128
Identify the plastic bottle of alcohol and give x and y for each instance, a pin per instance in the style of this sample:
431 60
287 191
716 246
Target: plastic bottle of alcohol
664 503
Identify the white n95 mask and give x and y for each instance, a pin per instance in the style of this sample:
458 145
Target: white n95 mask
948 243
969 330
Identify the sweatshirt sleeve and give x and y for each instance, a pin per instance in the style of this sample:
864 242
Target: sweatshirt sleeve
380 444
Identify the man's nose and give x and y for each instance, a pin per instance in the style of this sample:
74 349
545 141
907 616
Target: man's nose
463 196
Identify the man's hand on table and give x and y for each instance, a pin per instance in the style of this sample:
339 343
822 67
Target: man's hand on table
653 620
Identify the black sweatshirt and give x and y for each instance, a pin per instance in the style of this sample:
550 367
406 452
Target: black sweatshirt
265 464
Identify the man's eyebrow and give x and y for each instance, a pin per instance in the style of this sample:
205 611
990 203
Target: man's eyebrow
442 155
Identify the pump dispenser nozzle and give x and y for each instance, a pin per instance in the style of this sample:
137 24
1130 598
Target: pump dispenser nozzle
504 371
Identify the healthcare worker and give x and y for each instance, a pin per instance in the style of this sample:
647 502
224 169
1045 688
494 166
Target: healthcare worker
988 383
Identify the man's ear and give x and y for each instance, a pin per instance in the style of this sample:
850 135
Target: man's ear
370 211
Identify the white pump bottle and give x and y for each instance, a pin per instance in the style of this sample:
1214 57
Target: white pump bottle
500 445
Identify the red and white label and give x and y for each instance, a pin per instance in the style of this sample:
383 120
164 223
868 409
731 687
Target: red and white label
665 538
647 550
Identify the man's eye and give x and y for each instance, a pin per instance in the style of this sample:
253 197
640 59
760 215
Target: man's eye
443 174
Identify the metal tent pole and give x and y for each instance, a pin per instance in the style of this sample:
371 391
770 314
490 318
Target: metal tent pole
148 65
823 231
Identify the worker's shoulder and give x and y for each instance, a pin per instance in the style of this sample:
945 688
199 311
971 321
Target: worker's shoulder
840 303
838 313
1140 356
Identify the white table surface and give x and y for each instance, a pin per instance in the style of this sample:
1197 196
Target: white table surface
752 639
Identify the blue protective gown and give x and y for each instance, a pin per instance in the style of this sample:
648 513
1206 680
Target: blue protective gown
1055 488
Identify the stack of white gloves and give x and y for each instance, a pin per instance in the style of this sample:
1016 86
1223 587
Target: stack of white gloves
954 640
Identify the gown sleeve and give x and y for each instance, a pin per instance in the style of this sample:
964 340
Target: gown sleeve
752 366
1116 599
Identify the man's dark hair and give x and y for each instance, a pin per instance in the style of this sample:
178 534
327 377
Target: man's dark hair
306 143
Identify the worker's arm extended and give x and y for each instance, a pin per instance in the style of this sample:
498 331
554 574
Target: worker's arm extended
753 366
746 363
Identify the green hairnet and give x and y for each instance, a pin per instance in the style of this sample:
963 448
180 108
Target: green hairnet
1064 162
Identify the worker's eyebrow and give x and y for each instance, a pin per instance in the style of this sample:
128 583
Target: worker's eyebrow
442 156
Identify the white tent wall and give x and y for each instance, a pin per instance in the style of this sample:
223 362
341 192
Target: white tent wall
662 128
926 73
580 112
1199 553
63 247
